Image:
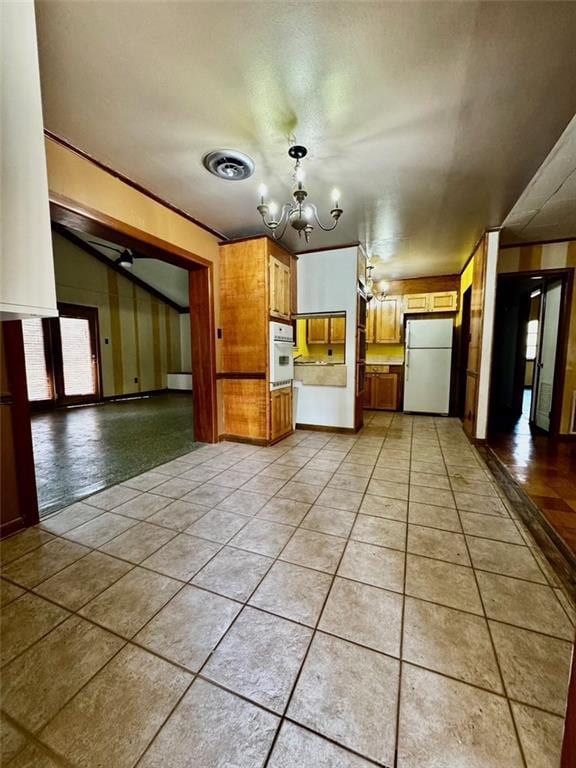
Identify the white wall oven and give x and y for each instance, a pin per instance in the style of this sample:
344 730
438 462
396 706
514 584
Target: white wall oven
281 355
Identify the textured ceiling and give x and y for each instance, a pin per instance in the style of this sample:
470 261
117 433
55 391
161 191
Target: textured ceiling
430 117
546 209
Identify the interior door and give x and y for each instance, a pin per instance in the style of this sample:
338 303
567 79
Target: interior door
78 369
546 355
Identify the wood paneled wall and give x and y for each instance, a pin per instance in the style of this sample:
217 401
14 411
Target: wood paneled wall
244 307
139 334
424 285
475 344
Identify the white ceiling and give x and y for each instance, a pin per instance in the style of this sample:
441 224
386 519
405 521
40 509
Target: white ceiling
171 281
546 209
431 117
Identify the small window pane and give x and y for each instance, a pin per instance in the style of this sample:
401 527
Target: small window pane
531 339
37 378
77 356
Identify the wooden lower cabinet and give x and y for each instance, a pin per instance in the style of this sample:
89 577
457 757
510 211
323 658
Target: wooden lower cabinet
383 391
281 414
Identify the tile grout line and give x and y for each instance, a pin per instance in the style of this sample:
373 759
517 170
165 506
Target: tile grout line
403 612
228 544
494 651
315 628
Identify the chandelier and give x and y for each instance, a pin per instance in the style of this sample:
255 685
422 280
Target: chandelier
297 213
372 292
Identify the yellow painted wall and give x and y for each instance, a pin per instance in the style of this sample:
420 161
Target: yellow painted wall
75 178
143 332
542 257
376 352
465 283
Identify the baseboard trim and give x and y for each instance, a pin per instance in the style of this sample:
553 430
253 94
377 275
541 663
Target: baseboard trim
322 428
242 439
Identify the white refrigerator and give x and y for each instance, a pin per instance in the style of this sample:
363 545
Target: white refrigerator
427 365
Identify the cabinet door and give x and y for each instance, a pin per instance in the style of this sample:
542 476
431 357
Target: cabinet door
385 388
369 390
317 330
416 302
279 288
446 301
371 322
388 321
337 330
280 413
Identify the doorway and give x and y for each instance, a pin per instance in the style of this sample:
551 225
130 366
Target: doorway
63 358
463 347
527 364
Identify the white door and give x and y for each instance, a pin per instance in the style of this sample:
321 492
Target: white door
427 380
548 339
427 334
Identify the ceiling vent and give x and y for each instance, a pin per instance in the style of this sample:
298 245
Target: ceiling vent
229 164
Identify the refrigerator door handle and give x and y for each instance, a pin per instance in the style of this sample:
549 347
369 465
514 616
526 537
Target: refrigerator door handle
408 333
407 364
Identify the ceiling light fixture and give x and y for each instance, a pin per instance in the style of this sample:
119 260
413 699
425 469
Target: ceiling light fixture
379 292
298 214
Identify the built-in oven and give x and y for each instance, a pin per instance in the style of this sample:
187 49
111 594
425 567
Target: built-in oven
281 355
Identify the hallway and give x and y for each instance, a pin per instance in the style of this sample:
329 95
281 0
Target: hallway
329 601
79 451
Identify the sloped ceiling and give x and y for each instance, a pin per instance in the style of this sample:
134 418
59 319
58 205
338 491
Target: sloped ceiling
546 209
431 117
171 281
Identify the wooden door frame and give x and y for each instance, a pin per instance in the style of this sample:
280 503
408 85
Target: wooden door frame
462 333
566 275
17 399
201 283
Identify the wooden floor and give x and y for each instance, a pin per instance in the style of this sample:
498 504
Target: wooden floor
546 470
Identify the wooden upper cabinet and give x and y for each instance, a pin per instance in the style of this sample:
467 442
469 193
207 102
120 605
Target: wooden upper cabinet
388 327
318 330
446 301
337 330
384 321
439 301
417 302
370 322
279 289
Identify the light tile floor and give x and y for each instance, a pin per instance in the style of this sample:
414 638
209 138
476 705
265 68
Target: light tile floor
329 602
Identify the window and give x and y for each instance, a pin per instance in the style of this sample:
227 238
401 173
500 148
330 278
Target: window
531 339
37 376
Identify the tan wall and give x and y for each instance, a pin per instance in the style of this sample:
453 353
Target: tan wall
77 179
542 257
139 334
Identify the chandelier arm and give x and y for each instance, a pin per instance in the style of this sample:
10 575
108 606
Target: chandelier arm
281 224
315 212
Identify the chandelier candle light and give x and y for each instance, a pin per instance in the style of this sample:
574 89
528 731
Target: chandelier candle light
298 213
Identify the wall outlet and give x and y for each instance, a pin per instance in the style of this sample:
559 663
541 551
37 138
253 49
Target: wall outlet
329 353
135 379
